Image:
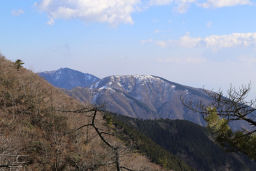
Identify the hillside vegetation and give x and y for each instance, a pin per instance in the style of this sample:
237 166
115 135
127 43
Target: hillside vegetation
41 128
186 140
145 145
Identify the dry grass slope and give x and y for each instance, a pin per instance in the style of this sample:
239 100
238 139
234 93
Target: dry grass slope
38 129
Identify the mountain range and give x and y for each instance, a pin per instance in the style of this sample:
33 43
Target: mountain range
137 96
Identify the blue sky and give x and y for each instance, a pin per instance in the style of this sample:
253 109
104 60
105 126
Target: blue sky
201 43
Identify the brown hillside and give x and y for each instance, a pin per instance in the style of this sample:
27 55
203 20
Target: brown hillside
39 129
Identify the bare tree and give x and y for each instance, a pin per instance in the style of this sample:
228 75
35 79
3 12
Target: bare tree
92 113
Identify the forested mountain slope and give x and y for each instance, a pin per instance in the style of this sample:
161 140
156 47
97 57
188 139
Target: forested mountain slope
188 141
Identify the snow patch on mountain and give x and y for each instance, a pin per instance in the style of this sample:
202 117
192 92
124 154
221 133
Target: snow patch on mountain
106 88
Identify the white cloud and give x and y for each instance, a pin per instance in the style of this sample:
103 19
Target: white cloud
183 5
180 5
51 21
212 41
187 41
160 2
224 3
17 12
118 11
110 11
228 41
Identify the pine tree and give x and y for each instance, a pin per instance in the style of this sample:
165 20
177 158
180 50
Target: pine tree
18 64
226 109
239 141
